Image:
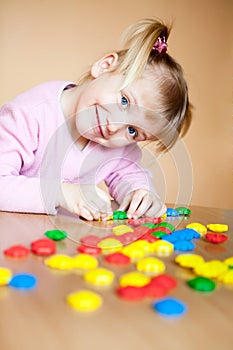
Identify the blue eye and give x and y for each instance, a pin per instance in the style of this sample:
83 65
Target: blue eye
132 131
124 101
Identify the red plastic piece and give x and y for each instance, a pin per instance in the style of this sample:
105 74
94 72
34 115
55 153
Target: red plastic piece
140 221
88 250
17 251
43 247
215 237
153 290
90 240
162 229
164 281
118 259
131 293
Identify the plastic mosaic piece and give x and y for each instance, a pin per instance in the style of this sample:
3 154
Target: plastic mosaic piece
60 262
198 227
100 277
17 251
5 276
90 240
84 262
186 234
183 245
183 211
56 235
229 262
163 247
23 281
131 293
170 307
150 265
43 247
119 215
136 279
110 245
172 212
89 250
118 259
226 277
84 300
211 269
122 229
218 227
202 284
216 237
189 260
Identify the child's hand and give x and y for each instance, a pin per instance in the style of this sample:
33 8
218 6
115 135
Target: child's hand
87 201
142 202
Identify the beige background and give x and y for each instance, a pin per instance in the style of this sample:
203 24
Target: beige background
43 40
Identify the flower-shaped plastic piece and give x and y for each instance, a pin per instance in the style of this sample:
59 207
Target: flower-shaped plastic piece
150 265
218 227
84 300
198 227
189 260
99 277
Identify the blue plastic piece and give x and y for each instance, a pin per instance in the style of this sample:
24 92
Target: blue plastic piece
186 234
184 245
23 281
170 238
170 307
172 212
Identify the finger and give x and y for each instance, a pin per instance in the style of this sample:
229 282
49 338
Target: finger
158 209
135 202
85 213
125 203
143 206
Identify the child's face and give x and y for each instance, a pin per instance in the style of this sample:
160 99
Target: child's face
116 118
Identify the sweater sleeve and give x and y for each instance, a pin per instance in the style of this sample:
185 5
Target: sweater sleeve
20 189
129 175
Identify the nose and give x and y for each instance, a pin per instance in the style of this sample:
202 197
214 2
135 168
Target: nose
114 128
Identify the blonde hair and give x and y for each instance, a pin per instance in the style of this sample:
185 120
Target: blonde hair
171 101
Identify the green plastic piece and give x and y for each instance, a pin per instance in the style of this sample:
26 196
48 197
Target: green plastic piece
119 215
183 211
202 284
149 224
158 234
56 235
167 225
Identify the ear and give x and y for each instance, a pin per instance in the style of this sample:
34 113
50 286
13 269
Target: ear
105 64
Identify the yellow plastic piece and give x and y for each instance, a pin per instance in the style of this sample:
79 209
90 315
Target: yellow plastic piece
217 227
198 227
164 216
229 261
110 245
109 218
100 277
134 251
85 262
84 300
121 229
189 260
162 247
136 279
226 277
151 265
5 276
142 243
210 269
59 261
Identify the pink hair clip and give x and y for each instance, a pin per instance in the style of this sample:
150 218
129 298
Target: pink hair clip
160 45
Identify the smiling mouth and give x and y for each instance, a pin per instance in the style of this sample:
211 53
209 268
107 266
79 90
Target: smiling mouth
98 123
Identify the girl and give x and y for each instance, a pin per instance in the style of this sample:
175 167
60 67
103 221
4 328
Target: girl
59 140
